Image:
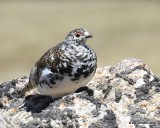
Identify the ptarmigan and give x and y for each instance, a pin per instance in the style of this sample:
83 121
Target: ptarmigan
64 68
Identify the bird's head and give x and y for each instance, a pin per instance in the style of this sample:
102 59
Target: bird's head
80 35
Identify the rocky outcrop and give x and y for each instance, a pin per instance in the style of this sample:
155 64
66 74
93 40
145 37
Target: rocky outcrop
123 96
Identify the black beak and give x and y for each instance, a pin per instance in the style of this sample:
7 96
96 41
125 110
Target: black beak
89 36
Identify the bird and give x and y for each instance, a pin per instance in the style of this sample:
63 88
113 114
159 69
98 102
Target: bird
65 67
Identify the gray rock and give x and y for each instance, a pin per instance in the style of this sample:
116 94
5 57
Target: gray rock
6 121
122 96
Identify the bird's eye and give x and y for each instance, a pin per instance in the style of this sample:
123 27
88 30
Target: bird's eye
77 34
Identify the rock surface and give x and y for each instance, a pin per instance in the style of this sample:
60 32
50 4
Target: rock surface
123 96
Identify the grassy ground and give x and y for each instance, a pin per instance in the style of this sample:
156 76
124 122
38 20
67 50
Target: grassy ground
121 29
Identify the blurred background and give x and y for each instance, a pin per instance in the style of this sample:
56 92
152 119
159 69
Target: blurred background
121 29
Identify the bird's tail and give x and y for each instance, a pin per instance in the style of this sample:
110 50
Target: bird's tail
31 83
28 87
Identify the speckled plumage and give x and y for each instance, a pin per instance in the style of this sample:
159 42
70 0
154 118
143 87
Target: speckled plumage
64 68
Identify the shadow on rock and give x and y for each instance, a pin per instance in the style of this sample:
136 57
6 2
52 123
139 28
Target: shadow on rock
36 103
85 88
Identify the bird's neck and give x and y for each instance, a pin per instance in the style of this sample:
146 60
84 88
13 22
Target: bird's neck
75 41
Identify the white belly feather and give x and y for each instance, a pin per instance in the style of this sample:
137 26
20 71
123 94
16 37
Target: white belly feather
63 87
